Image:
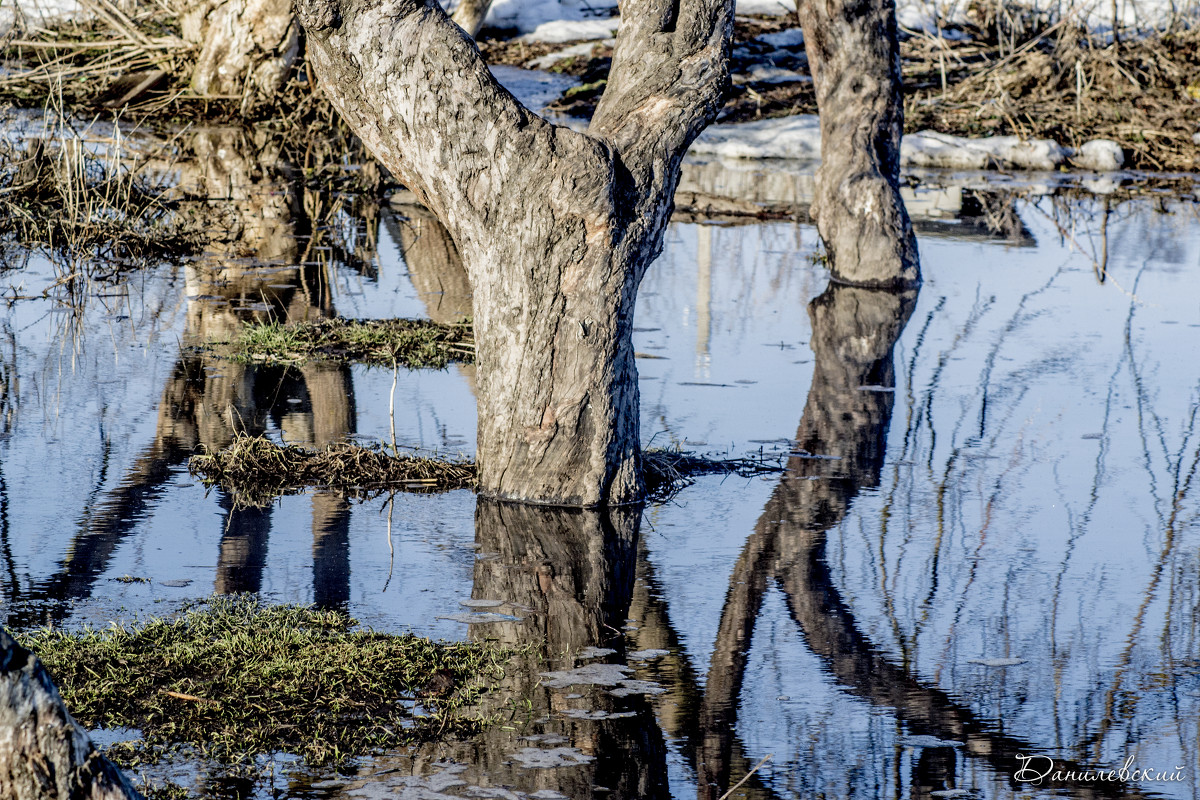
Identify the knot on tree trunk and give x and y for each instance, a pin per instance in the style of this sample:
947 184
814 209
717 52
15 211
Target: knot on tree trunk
318 16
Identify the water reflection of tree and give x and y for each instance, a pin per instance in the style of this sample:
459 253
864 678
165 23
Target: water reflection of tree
569 573
840 452
268 259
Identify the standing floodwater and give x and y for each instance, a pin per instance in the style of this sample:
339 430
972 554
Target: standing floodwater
984 547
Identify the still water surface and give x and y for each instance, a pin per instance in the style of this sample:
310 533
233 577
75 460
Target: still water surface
986 544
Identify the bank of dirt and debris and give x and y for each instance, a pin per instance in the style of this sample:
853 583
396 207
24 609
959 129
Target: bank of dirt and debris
1023 77
231 679
1007 71
256 470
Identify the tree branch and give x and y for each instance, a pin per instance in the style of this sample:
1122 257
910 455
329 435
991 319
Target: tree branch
414 87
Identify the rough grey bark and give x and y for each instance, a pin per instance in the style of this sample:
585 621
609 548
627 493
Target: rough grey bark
555 227
469 14
247 47
44 754
854 55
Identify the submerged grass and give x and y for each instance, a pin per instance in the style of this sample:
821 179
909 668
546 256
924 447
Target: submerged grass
390 342
233 679
256 470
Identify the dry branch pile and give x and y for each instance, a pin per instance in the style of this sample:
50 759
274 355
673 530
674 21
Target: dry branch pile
667 472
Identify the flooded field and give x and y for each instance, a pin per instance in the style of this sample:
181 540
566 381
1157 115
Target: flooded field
985 548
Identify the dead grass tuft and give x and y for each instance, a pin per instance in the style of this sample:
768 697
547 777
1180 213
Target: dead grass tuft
256 470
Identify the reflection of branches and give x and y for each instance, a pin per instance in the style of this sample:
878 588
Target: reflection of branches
789 541
1181 484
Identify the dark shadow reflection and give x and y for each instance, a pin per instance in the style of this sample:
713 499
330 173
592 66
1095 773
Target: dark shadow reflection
436 271
840 451
260 264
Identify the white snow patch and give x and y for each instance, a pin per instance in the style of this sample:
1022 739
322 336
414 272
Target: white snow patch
1099 155
581 50
765 73
1196 137
565 30
36 11
766 8
527 15
792 37
931 149
787 137
799 137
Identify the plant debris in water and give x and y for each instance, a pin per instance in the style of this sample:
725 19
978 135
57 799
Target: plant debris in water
256 470
234 679
59 196
667 472
389 342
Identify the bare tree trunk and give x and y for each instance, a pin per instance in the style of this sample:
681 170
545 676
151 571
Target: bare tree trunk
247 48
554 227
854 55
44 754
470 14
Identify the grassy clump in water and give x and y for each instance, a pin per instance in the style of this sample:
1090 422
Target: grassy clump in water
256 470
234 679
409 343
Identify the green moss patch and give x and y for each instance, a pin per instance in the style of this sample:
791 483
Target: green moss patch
234 679
409 343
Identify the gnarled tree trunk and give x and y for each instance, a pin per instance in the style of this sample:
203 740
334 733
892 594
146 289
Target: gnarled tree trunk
554 227
44 754
247 48
854 56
